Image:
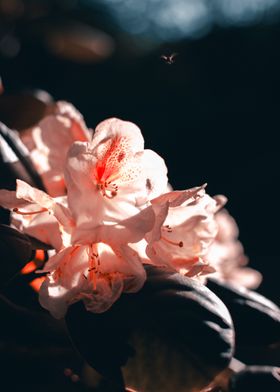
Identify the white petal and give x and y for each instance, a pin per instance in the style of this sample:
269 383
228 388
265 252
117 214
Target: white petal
114 127
9 200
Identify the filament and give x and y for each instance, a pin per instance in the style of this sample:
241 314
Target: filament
17 211
180 243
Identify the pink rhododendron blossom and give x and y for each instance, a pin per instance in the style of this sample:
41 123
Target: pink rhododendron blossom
118 213
184 229
38 215
226 254
48 143
112 178
109 183
96 274
42 226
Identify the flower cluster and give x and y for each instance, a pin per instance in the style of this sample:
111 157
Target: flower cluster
226 255
108 212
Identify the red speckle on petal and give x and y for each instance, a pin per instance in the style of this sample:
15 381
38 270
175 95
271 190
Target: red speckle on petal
109 168
148 184
100 171
121 156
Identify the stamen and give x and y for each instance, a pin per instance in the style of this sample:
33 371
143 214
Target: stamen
17 211
57 273
113 194
93 257
74 250
108 190
180 244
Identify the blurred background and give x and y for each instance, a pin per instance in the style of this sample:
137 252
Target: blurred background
211 111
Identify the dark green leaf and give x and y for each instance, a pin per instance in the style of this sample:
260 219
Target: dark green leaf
174 333
15 251
256 319
256 378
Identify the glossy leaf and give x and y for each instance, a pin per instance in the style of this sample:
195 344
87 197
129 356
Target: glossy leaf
174 330
15 159
256 378
15 251
256 319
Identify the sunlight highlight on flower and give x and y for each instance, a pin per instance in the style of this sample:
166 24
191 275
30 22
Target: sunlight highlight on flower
36 283
48 143
226 254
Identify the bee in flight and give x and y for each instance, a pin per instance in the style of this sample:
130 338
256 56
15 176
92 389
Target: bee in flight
169 59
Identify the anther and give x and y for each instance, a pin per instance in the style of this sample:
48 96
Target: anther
180 244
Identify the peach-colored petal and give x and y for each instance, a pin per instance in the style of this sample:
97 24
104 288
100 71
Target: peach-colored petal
28 268
112 181
39 215
9 200
37 283
246 277
32 195
43 226
30 213
113 129
49 141
177 198
226 254
184 229
79 129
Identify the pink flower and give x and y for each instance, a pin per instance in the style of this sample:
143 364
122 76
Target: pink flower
109 182
112 178
48 143
42 226
226 254
38 214
96 273
184 229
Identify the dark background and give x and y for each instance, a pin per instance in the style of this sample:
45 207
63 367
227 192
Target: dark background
213 114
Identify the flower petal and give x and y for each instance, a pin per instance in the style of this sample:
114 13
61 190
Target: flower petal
115 128
36 196
49 141
96 274
44 227
226 254
108 180
183 231
9 200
